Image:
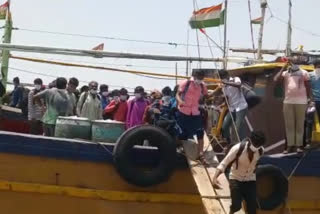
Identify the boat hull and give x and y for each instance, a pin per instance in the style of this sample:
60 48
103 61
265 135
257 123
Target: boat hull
48 175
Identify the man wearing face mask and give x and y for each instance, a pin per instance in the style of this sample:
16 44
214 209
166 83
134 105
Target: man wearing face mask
71 89
56 101
238 106
297 91
104 94
136 108
242 158
89 104
118 107
35 109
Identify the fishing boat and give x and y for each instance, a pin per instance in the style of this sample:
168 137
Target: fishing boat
58 175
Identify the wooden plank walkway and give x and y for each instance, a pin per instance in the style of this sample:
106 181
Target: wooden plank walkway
215 201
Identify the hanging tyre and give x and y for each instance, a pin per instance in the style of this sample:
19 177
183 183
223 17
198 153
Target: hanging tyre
161 144
272 187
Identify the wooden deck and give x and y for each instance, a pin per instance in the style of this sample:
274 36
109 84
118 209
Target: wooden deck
215 201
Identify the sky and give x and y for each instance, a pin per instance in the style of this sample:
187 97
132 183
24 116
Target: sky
164 21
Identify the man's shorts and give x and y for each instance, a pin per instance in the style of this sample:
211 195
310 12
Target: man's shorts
190 125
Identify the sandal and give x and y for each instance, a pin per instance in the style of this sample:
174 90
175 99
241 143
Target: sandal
203 161
299 150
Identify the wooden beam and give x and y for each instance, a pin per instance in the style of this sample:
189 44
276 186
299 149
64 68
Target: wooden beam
226 202
263 51
146 197
202 180
127 196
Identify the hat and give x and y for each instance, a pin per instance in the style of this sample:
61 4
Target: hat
156 94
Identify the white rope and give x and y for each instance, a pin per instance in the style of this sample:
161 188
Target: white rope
227 102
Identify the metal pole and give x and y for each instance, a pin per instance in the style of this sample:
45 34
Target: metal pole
225 34
263 14
289 35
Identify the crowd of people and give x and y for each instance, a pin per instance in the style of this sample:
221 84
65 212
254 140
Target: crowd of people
180 111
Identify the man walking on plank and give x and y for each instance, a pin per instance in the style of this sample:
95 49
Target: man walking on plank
242 158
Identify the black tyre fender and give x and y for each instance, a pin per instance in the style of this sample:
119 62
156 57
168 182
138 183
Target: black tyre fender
275 183
156 137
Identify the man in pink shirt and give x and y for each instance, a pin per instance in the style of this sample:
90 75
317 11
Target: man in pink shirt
297 91
188 117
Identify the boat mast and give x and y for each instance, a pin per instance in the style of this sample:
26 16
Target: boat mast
289 35
6 53
225 63
263 14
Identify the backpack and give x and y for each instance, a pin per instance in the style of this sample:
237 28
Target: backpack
187 88
23 105
250 95
242 146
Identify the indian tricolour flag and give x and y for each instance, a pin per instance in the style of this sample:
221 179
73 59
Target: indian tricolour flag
207 17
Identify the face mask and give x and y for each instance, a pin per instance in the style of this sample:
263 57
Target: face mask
123 97
254 149
198 82
93 91
137 95
105 93
37 87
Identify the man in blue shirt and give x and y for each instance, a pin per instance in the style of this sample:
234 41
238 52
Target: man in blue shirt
104 94
315 85
314 106
17 93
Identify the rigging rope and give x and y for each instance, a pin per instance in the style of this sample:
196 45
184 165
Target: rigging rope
108 69
197 33
225 97
97 67
54 76
216 67
106 37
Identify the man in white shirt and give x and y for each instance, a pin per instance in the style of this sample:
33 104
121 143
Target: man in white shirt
242 158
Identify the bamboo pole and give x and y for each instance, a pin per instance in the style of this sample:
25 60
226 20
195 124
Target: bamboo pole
289 34
251 28
6 53
263 14
176 73
101 54
225 34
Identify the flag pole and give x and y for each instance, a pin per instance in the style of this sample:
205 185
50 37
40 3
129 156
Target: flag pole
225 35
6 53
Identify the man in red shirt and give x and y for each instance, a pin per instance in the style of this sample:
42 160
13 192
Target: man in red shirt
188 117
118 107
